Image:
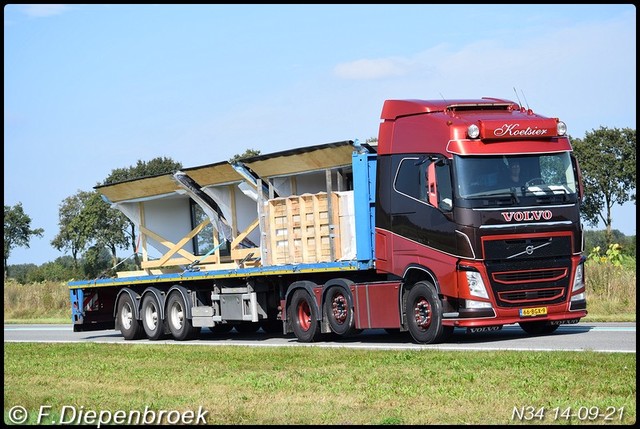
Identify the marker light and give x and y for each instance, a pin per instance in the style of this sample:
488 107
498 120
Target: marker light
562 128
473 131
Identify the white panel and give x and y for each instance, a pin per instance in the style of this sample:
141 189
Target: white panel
169 218
347 225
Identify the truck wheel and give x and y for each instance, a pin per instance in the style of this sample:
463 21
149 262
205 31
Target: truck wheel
179 325
304 317
151 320
130 327
339 311
538 328
424 315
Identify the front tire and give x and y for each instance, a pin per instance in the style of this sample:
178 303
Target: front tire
130 327
179 325
424 315
304 317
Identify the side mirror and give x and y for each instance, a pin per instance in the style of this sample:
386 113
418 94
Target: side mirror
576 171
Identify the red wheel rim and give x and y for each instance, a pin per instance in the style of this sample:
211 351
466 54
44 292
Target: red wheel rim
422 313
304 315
339 308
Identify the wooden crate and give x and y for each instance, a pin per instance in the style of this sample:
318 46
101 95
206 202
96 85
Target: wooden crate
302 229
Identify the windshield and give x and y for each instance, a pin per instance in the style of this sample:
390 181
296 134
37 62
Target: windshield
517 175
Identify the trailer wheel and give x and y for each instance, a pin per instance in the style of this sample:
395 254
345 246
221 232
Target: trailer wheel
339 311
151 320
424 314
130 327
538 328
304 317
179 325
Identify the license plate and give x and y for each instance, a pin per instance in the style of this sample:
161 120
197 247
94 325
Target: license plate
531 312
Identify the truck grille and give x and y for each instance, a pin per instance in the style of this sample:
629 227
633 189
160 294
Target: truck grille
529 281
526 296
530 276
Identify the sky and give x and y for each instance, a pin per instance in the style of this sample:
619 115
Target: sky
92 88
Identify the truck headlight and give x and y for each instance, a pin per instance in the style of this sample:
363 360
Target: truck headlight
476 285
579 297
578 278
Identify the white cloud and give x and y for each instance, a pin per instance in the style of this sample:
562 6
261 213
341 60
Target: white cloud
41 10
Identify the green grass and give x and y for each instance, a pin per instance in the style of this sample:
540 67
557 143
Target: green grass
311 385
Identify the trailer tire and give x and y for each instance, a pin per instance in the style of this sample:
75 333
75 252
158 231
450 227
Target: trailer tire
179 325
424 314
338 310
304 317
130 327
151 318
538 327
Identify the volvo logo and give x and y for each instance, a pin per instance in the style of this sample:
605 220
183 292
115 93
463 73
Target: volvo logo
527 216
530 249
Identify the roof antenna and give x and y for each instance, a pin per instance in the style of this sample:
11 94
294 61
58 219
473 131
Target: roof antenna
525 99
443 99
514 90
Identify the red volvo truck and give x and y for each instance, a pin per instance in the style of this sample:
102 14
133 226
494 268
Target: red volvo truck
464 215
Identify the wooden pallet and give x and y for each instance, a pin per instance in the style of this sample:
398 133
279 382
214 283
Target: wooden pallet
302 229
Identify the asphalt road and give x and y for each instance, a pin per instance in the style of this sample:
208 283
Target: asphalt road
599 337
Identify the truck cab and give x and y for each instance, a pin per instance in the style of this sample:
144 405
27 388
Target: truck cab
480 199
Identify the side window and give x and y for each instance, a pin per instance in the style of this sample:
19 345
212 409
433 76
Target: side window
411 178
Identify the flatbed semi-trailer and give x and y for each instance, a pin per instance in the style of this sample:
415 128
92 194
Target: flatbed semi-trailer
423 233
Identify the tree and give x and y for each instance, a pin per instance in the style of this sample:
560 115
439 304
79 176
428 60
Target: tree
247 154
107 226
17 231
157 166
74 234
607 160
